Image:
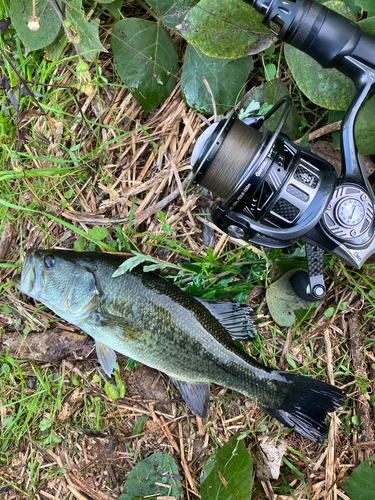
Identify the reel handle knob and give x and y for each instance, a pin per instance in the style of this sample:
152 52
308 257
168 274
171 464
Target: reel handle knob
301 285
310 285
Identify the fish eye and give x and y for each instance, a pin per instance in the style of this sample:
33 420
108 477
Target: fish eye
49 261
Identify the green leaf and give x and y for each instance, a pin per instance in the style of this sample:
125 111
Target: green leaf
167 229
225 77
21 12
271 93
131 363
55 50
131 263
305 313
138 426
282 300
329 312
365 128
146 60
356 419
228 29
80 244
326 87
98 233
172 12
120 385
5 369
111 390
45 424
367 5
270 71
114 7
158 468
351 4
86 34
368 25
343 306
162 216
228 474
360 485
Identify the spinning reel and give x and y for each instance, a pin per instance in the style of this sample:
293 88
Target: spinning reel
273 192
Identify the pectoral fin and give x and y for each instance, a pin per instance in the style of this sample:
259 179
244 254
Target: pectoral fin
234 316
121 327
196 395
106 356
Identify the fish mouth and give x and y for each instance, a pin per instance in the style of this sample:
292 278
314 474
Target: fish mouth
29 280
17 281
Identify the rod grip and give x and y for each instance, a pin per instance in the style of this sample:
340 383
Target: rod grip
311 27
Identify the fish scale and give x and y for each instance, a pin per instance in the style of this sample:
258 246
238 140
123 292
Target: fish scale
146 317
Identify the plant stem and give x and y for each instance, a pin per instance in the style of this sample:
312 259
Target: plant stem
67 30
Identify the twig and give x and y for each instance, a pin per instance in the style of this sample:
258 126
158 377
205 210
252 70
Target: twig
184 463
330 485
327 129
286 348
212 98
167 432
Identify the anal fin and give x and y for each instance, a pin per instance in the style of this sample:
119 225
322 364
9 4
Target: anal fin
234 316
196 395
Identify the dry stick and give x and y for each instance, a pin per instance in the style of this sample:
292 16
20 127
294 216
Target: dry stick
212 98
327 129
268 489
138 219
181 189
184 463
167 432
330 486
360 373
286 348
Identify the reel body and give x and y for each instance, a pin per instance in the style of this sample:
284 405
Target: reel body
273 192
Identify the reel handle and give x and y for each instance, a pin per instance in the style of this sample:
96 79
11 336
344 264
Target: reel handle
310 285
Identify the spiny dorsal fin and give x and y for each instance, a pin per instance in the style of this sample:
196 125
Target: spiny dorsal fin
234 316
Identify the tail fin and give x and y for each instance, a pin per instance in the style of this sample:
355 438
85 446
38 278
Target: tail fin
306 405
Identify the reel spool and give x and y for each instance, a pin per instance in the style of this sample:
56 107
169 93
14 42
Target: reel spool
271 191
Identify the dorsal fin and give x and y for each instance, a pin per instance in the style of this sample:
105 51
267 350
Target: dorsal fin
234 316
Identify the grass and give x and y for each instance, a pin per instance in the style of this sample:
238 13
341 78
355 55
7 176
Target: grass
55 190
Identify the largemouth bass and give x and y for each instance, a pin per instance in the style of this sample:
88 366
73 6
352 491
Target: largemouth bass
145 317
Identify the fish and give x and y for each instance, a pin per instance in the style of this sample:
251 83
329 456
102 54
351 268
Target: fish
149 319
